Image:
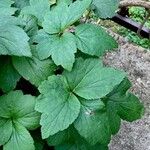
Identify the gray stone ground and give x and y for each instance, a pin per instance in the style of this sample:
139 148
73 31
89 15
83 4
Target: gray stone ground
136 62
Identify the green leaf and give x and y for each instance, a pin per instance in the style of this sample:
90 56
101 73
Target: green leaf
113 118
69 135
21 3
5 7
64 1
33 69
69 139
58 93
92 122
62 16
5 130
58 46
130 108
121 104
30 24
61 137
82 67
11 20
6 3
81 146
73 141
88 79
8 75
10 43
20 139
59 107
122 88
99 43
105 8
37 8
17 114
20 108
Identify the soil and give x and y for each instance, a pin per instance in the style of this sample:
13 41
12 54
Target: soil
135 61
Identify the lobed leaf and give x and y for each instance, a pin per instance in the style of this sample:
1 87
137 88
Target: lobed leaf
91 81
62 16
60 48
59 108
17 114
21 108
59 102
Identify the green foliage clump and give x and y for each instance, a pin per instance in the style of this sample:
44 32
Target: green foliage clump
133 37
54 89
137 14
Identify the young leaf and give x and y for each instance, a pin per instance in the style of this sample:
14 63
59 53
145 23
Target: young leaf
33 69
59 108
62 16
20 139
58 46
92 122
99 43
8 75
91 81
105 8
5 7
10 43
37 8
